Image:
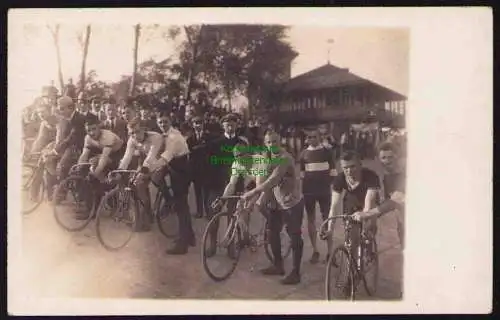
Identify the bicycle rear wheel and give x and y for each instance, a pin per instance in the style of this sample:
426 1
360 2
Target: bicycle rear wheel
31 198
339 276
221 247
286 244
116 218
74 203
166 217
370 268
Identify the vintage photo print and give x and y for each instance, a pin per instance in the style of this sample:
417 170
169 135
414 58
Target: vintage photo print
250 161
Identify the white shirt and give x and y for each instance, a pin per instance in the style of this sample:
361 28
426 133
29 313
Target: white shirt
175 145
151 146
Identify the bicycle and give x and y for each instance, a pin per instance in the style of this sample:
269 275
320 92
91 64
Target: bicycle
233 239
343 264
116 205
32 169
77 181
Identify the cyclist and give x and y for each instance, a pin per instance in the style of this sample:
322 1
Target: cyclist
358 189
43 143
175 162
47 128
102 148
317 169
148 144
394 189
284 182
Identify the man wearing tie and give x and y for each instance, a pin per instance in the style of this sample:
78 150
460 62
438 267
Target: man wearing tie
114 123
83 106
174 161
199 159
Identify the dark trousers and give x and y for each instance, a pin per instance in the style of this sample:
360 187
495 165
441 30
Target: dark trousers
201 191
324 201
292 218
180 189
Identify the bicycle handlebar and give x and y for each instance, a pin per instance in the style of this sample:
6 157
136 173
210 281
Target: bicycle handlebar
83 164
325 223
119 171
230 197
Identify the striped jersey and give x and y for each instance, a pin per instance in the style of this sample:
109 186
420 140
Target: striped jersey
316 163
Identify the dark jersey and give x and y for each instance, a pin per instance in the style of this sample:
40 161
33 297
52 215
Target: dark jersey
354 200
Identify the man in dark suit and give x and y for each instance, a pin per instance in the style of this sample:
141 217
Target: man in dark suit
149 119
83 106
68 148
221 150
114 123
198 143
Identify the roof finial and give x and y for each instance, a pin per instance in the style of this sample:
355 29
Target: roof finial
330 42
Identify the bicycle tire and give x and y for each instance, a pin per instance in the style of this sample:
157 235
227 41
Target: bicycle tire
375 265
235 242
339 258
162 215
267 245
27 186
131 199
69 183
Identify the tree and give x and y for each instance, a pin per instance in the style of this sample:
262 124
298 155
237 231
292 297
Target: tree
137 32
194 35
84 43
250 59
55 36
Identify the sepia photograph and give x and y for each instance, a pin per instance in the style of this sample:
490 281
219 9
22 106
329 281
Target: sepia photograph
211 161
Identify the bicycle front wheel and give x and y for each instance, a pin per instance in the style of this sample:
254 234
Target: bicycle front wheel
221 247
339 276
73 203
116 218
32 193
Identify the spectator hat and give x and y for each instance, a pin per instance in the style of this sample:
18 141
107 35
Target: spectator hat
65 101
196 119
230 117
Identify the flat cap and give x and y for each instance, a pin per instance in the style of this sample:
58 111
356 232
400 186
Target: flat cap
65 101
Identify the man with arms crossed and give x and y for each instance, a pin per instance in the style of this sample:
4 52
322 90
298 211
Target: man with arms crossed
358 188
284 182
148 144
317 169
394 189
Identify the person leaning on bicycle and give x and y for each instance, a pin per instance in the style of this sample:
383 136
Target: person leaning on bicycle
284 181
148 144
103 149
394 189
69 142
43 143
358 189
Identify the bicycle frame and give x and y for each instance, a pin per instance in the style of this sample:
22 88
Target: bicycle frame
348 226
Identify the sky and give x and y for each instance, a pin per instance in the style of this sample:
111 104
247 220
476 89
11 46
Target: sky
378 54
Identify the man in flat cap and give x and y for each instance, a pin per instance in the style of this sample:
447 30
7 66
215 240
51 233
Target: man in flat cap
67 149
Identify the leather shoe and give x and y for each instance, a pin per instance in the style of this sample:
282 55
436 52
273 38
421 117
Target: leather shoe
178 249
